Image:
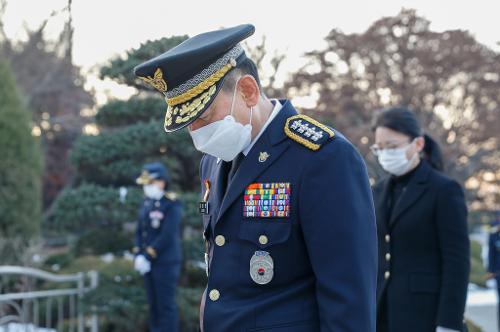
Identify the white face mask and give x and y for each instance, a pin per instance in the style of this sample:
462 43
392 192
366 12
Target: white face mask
153 191
394 161
225 138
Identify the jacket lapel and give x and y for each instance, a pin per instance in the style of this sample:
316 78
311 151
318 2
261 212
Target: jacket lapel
219 176
415 189
271 141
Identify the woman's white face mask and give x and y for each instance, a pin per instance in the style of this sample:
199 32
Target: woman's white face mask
153 191
394 161
225 138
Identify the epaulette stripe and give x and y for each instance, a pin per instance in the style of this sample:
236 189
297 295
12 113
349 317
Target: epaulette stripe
302 140
171 196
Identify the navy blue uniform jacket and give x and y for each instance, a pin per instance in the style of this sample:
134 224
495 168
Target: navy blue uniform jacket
163 235
324 252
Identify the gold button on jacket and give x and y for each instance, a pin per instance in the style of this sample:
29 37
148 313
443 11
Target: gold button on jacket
214 295
220 240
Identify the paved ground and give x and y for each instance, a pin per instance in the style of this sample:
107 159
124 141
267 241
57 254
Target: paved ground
482 310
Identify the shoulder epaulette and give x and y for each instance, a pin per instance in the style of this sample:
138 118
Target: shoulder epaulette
307 131
171 196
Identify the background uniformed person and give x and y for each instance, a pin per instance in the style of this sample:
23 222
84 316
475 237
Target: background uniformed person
494 257
158 247
422 231
286 203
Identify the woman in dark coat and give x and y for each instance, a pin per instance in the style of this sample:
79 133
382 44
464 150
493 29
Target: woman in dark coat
422 232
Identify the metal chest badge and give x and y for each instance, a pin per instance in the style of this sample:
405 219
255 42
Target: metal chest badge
156 217
261 267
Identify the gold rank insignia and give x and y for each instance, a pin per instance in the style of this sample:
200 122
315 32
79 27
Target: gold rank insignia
157 81
171 195
307 131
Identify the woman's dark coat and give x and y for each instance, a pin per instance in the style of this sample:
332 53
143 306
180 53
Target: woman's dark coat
423 252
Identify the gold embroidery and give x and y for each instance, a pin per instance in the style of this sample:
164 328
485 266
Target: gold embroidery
187 111
302 140
157 81
144 178
210 81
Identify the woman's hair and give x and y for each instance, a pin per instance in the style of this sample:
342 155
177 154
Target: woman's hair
404 121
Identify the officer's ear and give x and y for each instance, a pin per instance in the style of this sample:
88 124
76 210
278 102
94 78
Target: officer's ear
249 89
420 143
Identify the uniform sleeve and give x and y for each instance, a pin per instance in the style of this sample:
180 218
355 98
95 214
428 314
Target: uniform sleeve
170 228
138 237
451 219
338 221
491 253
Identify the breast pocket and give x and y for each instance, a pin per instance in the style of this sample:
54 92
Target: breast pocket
265 233
264 255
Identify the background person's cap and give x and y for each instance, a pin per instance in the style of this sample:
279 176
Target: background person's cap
152 171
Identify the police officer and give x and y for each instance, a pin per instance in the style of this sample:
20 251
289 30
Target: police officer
494 256
287 209
158 247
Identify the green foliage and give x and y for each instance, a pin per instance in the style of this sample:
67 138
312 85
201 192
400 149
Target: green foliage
193 248
120 299
20 166
194 275
131 134
190 202
116 158
477 271
103 240
90 206
121 69
62 260
119 113
97 215
188 301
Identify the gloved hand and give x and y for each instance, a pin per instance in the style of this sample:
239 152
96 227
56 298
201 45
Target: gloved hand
142 265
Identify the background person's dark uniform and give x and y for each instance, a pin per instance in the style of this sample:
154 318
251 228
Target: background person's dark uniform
494 257
158 238
423 252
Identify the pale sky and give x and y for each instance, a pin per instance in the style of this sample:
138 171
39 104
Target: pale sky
105 28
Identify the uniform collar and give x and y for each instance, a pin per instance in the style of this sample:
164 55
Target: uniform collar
276 109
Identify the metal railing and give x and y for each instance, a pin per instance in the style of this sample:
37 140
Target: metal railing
30 309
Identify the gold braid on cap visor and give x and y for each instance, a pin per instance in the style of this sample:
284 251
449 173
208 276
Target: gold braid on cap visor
202 94
188 110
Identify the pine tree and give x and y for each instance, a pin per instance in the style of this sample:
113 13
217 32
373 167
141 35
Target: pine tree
20 173
131 134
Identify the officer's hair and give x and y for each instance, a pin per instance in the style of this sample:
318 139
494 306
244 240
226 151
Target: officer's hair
247 67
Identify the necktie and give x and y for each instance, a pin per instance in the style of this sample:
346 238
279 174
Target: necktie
234 167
